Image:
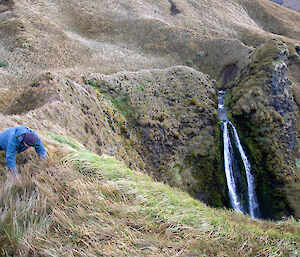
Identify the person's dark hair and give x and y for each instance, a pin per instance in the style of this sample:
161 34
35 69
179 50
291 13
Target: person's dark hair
30 139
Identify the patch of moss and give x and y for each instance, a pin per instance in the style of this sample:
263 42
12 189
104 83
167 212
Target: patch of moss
257 107
3 64
165 110
93 83
199 170
122 103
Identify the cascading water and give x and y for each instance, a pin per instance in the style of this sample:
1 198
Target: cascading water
241 199
228 169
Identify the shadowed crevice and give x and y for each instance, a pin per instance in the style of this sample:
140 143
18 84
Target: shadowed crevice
229 73
6 5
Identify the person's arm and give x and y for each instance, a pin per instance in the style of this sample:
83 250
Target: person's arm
11 156
40 149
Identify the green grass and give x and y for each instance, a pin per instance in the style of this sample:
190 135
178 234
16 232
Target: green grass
66 140
140 88
93 83
3 64
90 205
122 103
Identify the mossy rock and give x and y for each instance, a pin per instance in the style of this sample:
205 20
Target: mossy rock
262 107
171 118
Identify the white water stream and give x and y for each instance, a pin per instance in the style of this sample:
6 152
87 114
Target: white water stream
228 164
228 169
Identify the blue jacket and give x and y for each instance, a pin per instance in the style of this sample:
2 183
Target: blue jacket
11 140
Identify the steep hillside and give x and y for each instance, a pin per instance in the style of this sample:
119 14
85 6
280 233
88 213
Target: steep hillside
77 203
170 119
138 81
162 121
87 36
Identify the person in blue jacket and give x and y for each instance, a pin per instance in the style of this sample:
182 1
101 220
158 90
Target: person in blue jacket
19 139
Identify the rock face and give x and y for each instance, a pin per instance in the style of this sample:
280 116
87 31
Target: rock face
170 119
263 106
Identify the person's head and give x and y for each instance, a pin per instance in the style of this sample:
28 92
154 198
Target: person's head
30 139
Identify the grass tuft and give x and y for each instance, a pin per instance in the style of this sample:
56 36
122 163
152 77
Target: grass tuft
89 205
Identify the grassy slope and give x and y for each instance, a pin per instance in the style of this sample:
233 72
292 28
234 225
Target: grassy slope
97 206
81 37
77 203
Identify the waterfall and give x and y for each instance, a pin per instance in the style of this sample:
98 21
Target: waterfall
228 169
233 172
253 204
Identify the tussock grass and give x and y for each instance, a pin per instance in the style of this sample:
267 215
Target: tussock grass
82 204
23 211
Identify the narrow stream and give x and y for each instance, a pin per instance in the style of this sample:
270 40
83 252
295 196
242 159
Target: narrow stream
240 181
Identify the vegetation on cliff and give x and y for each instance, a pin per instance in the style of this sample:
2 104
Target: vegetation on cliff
169 117
263 107
135 82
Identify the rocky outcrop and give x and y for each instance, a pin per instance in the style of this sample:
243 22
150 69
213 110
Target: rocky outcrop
263 107
170 118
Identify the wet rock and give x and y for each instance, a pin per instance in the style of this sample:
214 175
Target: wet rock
263 107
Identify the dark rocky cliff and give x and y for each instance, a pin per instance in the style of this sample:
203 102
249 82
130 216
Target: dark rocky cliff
262 105
169 117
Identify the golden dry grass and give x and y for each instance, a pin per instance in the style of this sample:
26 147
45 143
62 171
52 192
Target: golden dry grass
79 204
81 37
86 205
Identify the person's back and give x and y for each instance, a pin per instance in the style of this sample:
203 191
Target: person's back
18 139
9 134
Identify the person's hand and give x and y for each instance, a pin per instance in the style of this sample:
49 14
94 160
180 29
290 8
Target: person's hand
13 170
45 156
